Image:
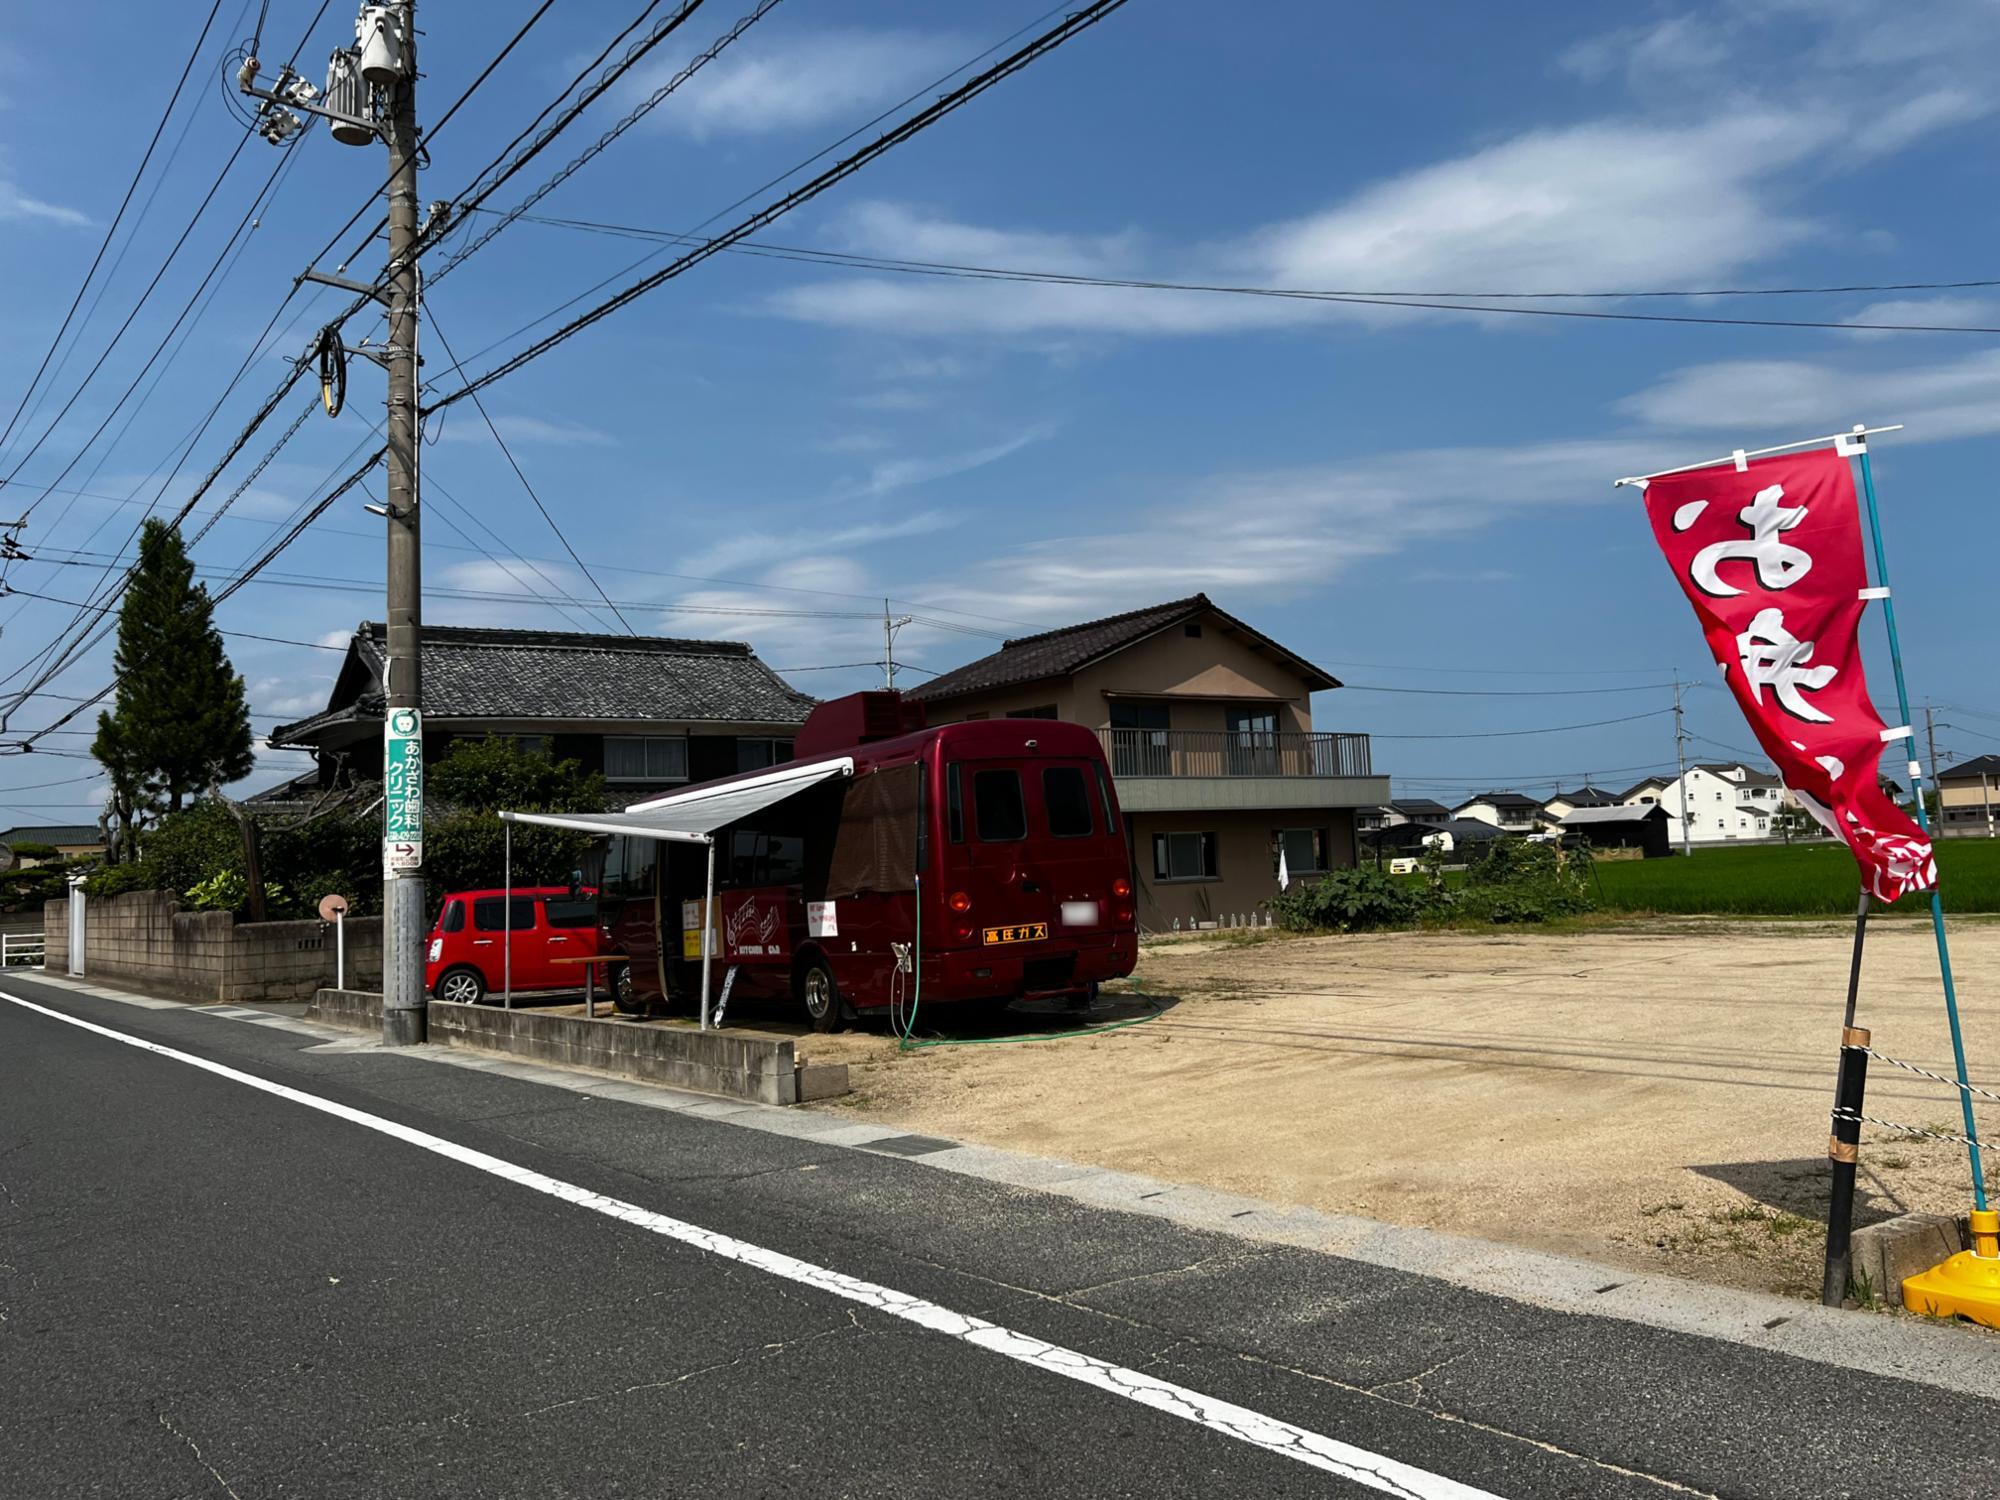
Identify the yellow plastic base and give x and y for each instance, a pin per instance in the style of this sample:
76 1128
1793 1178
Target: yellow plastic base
1967 1285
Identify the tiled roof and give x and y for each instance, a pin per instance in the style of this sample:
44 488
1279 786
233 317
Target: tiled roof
1979 765
1639 786
1420 808
1728 769
1057 653
1503 799
479 673
1586 796
59 833
1586 815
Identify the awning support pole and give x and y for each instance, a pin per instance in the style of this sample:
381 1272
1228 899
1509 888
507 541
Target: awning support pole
707 932
507 917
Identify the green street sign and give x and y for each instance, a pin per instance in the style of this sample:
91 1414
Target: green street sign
403 791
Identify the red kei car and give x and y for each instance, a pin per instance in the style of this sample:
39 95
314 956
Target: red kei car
474 931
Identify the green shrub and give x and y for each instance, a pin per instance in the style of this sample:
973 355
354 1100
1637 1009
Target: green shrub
37 852
116 880
1521 880
1358 900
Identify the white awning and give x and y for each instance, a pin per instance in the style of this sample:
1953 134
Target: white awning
693 816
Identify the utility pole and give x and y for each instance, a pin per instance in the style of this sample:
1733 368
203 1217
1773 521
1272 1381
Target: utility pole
889 628
1930 741
403 1014
1680 753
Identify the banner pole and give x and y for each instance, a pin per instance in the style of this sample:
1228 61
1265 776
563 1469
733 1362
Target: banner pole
1860 448
1843 1146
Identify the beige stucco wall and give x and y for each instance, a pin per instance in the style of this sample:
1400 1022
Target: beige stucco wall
1245 873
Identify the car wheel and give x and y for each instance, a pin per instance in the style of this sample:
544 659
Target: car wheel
461 987
819 996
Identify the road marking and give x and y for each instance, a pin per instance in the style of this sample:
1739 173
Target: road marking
1246 1426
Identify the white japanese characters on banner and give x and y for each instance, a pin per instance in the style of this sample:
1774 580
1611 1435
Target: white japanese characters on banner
1769 554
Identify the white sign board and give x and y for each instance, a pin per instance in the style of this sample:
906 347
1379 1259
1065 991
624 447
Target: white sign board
822 921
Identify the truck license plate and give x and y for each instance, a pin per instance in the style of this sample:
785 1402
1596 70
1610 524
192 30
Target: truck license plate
1026 932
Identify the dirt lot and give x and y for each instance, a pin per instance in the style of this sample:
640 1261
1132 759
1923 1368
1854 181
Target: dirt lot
1654 1094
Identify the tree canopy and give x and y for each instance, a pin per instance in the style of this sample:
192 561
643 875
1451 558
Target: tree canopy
181 724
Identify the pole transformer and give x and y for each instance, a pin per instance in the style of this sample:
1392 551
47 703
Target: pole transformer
403 1015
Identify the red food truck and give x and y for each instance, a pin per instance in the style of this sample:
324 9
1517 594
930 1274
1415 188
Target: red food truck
888 863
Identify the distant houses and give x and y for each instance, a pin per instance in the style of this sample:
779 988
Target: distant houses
1727 802
1969 798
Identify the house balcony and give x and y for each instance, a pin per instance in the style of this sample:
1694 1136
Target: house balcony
1170 770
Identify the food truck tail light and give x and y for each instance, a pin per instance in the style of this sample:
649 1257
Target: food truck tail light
965 932
1121 887
1124 915
960 901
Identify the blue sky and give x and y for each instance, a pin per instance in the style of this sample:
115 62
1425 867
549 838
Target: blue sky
1412 498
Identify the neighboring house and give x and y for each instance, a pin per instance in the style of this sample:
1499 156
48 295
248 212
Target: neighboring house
1645 793
1208 726
1562 804
1647 828
1969 797
1726 802
69 840
1402 810
650 712
1510 812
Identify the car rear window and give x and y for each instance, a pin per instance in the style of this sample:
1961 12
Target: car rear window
997 810
488 917
454 917
1066 798
578 913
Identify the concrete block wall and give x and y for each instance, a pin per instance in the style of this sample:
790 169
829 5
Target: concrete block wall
145 940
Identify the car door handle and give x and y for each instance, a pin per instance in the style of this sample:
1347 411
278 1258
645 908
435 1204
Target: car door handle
482 942
554 940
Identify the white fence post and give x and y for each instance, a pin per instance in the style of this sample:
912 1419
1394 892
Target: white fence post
77 925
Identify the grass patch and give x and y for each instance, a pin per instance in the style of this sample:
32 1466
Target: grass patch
1785 880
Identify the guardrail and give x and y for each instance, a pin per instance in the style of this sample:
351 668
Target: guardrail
20 950
1234 752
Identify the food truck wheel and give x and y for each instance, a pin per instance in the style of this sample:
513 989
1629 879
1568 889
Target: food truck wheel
619 983
819 995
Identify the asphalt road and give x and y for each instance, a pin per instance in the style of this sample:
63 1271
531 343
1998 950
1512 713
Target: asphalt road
207 1290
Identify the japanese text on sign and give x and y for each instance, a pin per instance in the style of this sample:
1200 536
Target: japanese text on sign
403 790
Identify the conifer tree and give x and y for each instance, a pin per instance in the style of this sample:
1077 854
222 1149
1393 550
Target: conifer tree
181 724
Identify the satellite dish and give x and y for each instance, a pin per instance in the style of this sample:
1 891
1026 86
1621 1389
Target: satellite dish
331 907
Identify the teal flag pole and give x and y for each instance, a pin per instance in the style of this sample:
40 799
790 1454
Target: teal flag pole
1859 446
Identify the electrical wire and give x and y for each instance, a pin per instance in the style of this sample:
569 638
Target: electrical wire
1071 26
514 464
1501 734
117 218
1643 687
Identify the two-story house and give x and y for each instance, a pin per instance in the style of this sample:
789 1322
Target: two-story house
650 712
1207 723
1510 812
1967 797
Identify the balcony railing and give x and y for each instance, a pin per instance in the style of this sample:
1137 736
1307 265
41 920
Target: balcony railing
1230 752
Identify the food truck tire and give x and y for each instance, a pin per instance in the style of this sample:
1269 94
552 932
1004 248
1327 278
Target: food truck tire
619 982
818 995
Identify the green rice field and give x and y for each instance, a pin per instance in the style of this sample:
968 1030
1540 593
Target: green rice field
1788 880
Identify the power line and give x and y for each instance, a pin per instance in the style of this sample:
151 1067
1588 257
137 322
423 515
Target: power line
645 107
1070 26
118 218
519 474
1433 301
1643 687
1501 734
646 232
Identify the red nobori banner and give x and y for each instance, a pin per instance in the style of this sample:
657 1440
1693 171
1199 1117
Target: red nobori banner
1770 556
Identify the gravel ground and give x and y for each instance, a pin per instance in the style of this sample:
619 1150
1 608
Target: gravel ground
1651 1093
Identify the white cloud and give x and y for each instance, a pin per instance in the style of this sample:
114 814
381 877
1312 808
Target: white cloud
902 473
17 206
740 548
518 427
1929 312
782 83
1952 398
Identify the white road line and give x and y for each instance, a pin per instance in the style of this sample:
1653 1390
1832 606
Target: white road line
1239 1422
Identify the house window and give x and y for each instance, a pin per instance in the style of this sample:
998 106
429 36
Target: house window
532 744
1184 856
1191 631
1303 849
756 754
631 757
1046 711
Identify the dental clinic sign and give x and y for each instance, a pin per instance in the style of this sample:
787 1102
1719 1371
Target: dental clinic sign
1769 553
402 791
